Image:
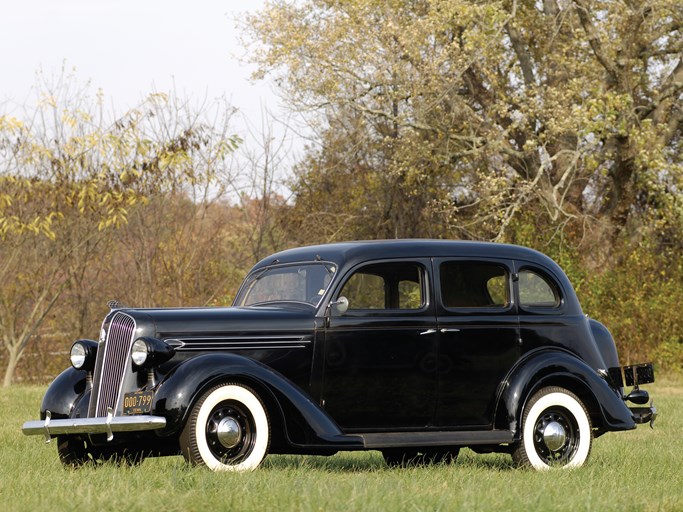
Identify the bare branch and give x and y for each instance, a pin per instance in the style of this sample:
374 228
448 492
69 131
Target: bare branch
594 40
523 55
669 91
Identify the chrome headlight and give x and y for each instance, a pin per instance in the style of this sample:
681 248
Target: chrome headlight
147 352
139 352
83 354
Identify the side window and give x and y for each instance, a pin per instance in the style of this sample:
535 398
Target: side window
395 285
410 295
365 291
471 284
536 291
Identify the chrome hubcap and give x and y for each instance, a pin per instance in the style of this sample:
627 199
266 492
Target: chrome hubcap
554 436
229 432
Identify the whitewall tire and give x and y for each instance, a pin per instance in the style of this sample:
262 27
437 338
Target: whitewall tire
227 430
556 431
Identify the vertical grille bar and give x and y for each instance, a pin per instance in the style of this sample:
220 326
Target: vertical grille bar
110 369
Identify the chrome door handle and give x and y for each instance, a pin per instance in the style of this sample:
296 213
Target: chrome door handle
445 330
428 331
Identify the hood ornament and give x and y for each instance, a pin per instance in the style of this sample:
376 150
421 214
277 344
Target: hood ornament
115 304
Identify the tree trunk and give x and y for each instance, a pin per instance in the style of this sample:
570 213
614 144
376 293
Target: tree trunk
12 361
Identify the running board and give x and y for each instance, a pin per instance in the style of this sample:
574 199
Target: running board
462 438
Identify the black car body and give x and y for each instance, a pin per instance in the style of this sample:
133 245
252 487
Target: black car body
412 347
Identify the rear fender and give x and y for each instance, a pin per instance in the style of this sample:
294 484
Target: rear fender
558 368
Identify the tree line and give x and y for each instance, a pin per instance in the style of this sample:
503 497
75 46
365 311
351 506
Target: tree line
554 124
147 208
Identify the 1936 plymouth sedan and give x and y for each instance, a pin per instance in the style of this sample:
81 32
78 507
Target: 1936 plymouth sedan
411 347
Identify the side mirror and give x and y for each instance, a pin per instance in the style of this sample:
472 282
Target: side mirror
339 306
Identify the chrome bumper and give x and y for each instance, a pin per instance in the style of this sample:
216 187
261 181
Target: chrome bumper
104 425
644 415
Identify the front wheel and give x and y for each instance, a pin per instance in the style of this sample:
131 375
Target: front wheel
556 431
228 430
73 451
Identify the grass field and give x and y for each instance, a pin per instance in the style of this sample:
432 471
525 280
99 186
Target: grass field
636 470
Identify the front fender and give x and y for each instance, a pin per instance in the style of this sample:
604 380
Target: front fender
64 394
558 368
178 392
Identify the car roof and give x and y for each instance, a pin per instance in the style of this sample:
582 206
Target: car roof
350 253
347 255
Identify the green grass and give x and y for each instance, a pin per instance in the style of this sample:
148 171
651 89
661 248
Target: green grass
636 470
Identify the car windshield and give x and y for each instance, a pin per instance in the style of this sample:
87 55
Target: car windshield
304 282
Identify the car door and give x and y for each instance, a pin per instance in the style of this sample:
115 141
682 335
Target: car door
543 315
478 332
380 355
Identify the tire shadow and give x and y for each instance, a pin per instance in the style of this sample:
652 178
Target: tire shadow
371 461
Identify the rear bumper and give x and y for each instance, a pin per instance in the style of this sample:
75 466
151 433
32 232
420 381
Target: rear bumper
104 425
634 376
644 414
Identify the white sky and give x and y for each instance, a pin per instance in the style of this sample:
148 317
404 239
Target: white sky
129 48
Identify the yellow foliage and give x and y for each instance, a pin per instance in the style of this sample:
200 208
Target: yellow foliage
491 106
100 168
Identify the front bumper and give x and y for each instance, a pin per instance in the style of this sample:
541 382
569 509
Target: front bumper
104 425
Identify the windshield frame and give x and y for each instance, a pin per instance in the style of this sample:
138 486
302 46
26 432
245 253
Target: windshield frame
255 276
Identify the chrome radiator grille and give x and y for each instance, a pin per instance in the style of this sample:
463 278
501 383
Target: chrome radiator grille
112 360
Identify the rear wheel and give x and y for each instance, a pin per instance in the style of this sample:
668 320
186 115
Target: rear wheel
556 431
121 457
228 430
402 457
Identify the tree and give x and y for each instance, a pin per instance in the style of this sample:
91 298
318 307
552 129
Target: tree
69 174
464 113
260 189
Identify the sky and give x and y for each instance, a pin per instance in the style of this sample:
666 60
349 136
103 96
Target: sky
130 48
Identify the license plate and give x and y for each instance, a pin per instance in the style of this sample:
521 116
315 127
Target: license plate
137 402
639 374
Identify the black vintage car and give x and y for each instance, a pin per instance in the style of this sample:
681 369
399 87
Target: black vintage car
411 347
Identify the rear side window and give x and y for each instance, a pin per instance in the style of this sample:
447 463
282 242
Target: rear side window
394 285
536 291
468 284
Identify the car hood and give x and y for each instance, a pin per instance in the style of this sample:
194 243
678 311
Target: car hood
178 322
